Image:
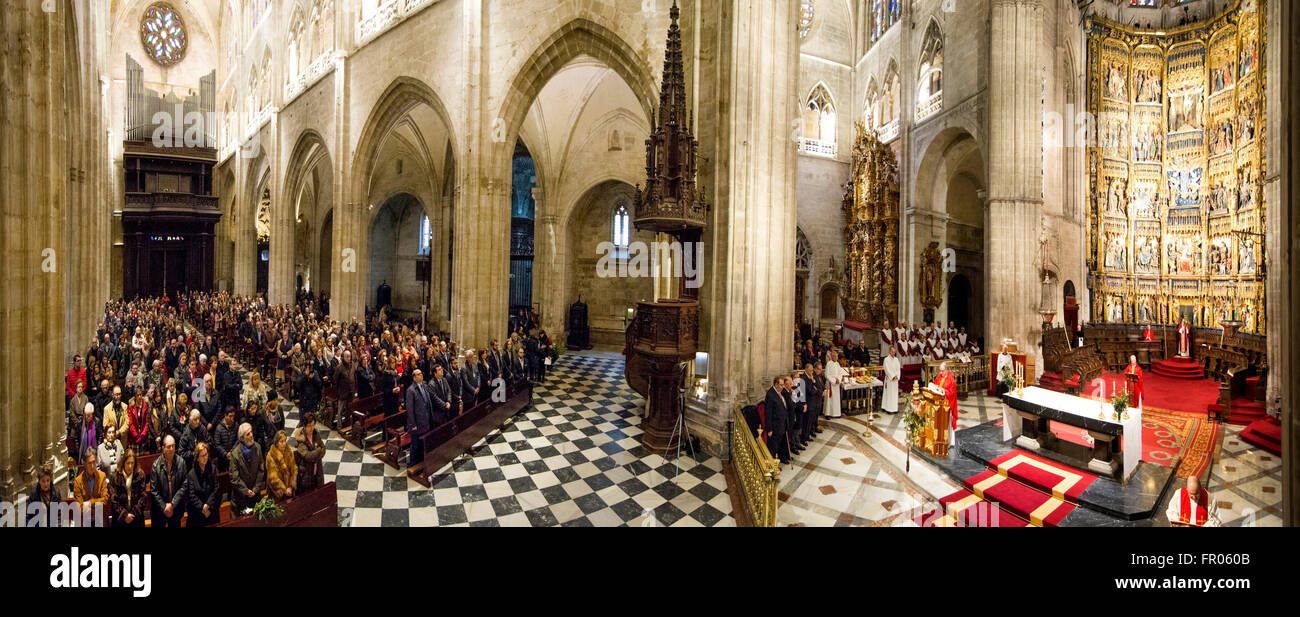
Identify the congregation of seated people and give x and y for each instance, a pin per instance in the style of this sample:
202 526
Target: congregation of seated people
193 399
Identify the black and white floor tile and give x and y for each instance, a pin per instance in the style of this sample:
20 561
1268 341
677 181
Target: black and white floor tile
572 459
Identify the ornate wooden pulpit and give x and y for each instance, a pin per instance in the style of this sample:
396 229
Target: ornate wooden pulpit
933 406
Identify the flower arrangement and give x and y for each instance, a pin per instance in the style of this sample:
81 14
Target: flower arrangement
267 509
1120 403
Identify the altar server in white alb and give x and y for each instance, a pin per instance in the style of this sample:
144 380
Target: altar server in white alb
835 375
1191 505
893 371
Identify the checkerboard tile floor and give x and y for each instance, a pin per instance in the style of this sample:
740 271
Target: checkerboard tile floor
572 459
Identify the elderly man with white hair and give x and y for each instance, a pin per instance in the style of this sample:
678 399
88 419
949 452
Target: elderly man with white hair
195 433
247 472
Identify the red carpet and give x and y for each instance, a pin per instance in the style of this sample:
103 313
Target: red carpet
1243 412
1178 368
960 510
1162 393
1039 508
1061 481
1265 433
1169 436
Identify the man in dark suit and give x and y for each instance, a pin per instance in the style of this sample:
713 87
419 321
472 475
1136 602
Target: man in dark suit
794 417
470 381
495 364
455 384
775 416
815 410
532 354
440 392
419 415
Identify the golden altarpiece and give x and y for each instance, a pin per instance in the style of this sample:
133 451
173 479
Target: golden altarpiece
871 232
1175 227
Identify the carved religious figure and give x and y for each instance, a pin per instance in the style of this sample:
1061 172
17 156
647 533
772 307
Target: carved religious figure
931 284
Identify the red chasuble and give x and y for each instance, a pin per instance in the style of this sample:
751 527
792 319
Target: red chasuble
1136 395
946 381
1201 515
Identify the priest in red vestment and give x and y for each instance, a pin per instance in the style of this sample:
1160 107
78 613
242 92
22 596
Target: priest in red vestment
1135 391
1192 506
1184 339
948 382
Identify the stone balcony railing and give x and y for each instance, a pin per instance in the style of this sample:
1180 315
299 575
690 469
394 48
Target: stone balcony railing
186 201
930 106
888 132
818 147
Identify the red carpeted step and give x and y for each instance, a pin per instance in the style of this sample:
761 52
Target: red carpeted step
964 509
1244 411
1041 509
1180 368
1051 381
1049 477
1265 433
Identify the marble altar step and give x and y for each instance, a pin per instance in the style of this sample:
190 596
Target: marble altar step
1178 368
1265 433
1060 481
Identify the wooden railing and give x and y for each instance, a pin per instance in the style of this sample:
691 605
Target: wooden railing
759 471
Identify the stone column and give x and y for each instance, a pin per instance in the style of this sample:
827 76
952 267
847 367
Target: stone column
481 269
245 224
1282 228
1015 171
279 273
348 271
751 184
550 264
40 186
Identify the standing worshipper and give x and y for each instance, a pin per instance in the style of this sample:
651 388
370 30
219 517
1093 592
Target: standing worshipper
309 452
127 492
167 487
419 416
835 375
775 417
893 372
813 404
247 475
202 490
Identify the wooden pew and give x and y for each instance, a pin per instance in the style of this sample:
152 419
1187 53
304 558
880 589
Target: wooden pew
366 414
315 508
443 444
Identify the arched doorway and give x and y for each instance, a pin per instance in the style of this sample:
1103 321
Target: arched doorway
399 238
959 300
263 223
1071 307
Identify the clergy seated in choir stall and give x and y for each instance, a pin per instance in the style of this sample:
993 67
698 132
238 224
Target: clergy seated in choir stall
1191 506
1135 389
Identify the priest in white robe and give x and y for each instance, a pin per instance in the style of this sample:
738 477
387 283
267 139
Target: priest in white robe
835 375
893 372
1192 506
886 339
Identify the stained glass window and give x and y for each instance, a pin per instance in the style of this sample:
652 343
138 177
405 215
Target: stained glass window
162 33
622 229
884 14
805 18
1146 3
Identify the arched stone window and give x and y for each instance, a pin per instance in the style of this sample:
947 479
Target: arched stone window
871 110
803 257
621 228
929 78
889 104
884 14
425 235
819 123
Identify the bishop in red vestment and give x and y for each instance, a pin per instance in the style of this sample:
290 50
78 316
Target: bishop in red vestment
948 382
1135 394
